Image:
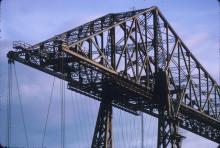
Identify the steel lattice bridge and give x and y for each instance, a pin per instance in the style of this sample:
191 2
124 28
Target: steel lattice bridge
136 62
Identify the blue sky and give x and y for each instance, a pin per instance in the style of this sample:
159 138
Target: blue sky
196 22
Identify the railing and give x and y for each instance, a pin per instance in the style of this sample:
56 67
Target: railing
21 45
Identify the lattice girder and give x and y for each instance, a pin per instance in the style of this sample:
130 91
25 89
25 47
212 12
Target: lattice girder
129 48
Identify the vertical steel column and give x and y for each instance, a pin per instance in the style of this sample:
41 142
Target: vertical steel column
41 50
190 83
102 42
167 124
102 137
161 95
136 51
200 91
146 36
125 53
162 141
112 34
155 40
160 91
113 50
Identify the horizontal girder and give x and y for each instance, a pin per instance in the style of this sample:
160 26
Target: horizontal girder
124 50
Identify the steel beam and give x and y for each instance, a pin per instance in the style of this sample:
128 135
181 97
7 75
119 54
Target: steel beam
168 135
102 137
132 58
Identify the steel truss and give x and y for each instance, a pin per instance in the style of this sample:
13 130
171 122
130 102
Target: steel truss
137 52
102 137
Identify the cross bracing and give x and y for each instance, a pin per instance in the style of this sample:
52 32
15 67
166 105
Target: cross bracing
136 62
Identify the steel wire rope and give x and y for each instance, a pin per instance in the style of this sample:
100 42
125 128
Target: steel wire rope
127 125
146 124
61 114
142 130
137 132
75 109
8 121
88 117
80 108
86 138
113 137
117 134
148 127
48 112
88 110
152 140
126 128
154 132
130 127
21 106
145 129
133 129
146 119
64 114
130 130
118 126
62 95
122 129
83 118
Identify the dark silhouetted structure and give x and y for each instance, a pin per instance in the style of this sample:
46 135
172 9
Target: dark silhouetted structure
136 62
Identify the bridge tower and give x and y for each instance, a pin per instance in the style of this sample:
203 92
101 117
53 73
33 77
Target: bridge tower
136 62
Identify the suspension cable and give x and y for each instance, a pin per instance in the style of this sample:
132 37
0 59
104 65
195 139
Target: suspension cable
142 130
76 131
21 107
122 128
8 123
48 112
62 95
